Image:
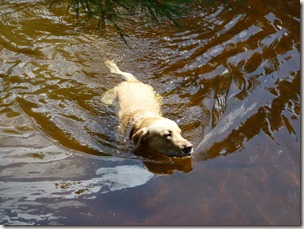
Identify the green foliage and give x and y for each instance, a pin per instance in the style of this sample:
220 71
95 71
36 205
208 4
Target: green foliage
116 12
113 14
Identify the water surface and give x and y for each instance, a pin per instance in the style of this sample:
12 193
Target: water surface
230 78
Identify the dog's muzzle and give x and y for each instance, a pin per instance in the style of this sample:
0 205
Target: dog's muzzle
187 149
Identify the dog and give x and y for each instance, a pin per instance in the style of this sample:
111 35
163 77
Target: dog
140 113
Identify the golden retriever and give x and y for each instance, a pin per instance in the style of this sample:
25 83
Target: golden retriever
139 111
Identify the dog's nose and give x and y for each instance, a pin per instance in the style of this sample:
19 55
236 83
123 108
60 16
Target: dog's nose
187 149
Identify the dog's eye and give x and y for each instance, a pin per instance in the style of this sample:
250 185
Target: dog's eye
168 134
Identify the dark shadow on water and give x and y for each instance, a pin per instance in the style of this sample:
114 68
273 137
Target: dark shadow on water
161 164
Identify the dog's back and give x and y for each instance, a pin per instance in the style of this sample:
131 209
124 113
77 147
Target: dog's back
134 96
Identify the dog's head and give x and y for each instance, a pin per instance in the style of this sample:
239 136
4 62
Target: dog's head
163 136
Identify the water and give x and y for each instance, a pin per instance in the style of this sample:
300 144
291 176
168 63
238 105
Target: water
230 78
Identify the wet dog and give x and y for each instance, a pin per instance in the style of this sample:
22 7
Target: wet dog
139 112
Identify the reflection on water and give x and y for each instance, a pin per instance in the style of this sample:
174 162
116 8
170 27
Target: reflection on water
44 188
231 80
109 179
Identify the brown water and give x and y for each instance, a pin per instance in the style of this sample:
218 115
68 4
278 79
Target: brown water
230 78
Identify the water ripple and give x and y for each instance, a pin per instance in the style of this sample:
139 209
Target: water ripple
230 78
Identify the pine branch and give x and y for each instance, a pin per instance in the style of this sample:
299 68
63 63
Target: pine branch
116 12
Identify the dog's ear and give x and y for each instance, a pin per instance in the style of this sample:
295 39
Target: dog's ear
131 133
138 136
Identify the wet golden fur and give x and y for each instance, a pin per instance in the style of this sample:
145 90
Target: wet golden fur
139 111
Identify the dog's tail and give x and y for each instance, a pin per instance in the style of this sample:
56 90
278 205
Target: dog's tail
114 69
